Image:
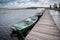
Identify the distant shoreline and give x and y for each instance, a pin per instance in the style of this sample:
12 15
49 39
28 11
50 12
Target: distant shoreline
10 9
21 8
15 8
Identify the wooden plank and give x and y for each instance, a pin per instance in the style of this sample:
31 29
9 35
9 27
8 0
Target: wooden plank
45 29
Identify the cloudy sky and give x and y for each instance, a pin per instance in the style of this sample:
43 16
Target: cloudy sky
26 3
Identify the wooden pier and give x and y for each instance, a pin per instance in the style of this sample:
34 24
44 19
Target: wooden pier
45 29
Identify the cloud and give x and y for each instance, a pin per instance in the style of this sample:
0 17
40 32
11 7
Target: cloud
26 3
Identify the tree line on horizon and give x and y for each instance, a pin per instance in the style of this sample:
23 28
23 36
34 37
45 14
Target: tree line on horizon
55 5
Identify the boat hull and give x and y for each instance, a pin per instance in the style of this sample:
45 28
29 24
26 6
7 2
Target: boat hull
27 29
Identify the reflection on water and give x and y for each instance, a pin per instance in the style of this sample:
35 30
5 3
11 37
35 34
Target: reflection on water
56 16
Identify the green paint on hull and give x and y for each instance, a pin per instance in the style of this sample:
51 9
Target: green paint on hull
26 29
25 25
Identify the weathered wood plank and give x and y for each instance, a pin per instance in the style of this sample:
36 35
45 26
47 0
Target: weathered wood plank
45 29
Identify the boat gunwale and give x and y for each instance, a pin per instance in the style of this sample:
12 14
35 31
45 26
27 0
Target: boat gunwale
26 26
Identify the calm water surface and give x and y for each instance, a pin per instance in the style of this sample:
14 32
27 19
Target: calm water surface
9 17
56 16
12 16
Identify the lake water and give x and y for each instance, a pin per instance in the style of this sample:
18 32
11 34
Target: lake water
9 17
56 16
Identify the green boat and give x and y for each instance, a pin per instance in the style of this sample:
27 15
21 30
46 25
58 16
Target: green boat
24 26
